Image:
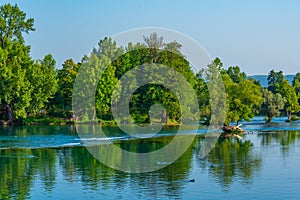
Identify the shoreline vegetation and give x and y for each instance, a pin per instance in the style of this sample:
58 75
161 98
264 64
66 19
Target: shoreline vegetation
48 120
37 92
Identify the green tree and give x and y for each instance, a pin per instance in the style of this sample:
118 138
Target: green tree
296 84
275 80
107 47
244 98
13 24
235 74
108 57
174 47
278 84
289 93
208 82
203 98
95 72
272 104
155 52
44 81
98 70
15 61
154 43
66 77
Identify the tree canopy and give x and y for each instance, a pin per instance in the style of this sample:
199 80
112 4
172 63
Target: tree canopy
30 87
272 104
13 24
25 85
278 84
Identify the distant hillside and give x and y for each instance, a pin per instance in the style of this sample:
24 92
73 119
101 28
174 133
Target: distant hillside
264 79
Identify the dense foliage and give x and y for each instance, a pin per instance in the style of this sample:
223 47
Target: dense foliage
31 88
26 86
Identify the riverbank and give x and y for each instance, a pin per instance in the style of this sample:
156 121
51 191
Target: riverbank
54 120
51 120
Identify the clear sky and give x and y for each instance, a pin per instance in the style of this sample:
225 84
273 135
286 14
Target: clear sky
257 35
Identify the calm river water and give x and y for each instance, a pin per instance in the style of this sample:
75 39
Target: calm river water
50 162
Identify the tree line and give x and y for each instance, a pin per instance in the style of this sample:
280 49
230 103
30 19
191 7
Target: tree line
30 88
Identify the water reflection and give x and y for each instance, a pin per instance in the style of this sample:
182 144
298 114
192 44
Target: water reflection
16 174
21 169
41 130
284 138
231 161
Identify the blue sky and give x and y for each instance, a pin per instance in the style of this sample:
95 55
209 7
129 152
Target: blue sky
256 35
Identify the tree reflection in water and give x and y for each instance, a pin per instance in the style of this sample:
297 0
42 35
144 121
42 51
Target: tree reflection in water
284 138
232 159
167 181
20 169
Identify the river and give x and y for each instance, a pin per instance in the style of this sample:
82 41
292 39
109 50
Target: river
51 162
